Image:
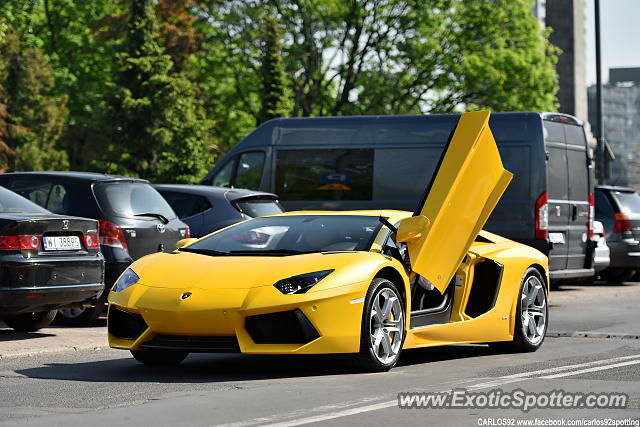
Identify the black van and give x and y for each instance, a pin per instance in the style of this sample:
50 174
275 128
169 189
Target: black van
384 162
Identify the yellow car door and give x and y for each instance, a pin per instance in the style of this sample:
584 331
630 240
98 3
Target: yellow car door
463 192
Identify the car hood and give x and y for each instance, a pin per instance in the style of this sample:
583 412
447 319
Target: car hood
179 270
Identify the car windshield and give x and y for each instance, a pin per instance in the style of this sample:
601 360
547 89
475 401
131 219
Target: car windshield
11 202
132 199
290 235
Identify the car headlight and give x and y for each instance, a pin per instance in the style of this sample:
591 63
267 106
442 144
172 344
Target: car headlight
126 279
302 283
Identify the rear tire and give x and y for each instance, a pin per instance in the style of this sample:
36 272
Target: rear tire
532 316
159 357
383 327
82 316
30 322
617 276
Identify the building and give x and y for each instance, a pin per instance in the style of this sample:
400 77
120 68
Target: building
567 20
621 114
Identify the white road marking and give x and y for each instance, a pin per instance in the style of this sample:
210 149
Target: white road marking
345 413
597 368
558 371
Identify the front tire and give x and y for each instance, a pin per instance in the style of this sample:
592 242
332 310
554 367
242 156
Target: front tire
30 322
159 357
532 315
383 327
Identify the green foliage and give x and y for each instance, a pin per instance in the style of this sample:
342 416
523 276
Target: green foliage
32 117
150 82
274 93
507 65
157 129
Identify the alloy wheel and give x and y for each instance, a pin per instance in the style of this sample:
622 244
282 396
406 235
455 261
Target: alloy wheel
533 307
386 325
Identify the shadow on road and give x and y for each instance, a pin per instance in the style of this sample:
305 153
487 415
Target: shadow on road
11 335
207 368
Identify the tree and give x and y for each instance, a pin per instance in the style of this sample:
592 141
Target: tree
393 56
33 118
69 32
275 95
156 128
506 64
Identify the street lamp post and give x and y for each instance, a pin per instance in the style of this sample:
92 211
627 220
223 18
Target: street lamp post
600 154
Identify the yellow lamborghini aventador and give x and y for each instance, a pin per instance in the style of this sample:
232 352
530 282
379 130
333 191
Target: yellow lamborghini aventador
370 283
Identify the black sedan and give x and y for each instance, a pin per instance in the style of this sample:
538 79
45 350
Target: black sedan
48 261
207 209
134 220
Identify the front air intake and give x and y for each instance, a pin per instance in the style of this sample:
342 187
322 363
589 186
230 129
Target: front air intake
285 327
125 325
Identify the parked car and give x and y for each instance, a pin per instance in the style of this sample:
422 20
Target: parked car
134 219
601 252
206 209
618 208
384 162
48 261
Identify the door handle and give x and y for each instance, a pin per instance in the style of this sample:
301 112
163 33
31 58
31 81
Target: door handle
574 212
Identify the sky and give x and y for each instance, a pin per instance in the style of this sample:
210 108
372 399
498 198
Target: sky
619 36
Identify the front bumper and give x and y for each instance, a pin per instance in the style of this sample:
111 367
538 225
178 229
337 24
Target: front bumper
259 320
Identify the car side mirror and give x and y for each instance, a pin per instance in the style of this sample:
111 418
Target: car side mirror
412 228
185 242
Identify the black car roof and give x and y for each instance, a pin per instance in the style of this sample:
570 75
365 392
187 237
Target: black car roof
208 190
83 176
615 188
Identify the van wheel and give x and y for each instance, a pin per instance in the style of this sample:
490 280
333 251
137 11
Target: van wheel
532 315
30 322
383 327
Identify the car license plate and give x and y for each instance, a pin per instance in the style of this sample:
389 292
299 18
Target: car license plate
61 243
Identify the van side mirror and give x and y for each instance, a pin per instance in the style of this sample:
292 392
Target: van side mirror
412 228
185 242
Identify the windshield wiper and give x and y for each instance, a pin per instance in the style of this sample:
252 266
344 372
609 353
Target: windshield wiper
270 252
155 215
204 251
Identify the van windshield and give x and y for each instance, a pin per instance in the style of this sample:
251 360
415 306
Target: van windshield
131 199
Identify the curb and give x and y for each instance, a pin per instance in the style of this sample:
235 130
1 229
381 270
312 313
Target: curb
58 350
617 335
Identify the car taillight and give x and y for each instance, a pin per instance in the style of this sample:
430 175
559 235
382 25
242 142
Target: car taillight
28 241
111 234
187 233
91 241
623 224
542 216
590 216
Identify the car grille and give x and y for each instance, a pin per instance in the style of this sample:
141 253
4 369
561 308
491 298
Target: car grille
194 344
125 325
285 327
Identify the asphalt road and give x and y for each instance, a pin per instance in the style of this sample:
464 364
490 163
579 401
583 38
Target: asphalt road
593 347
